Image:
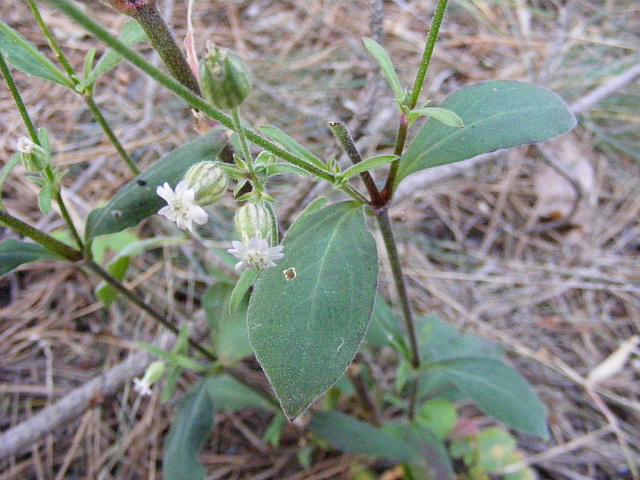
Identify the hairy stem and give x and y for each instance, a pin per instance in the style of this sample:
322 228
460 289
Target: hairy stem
17 98
93 107
403 127
382 216
163 41
349 147
47 241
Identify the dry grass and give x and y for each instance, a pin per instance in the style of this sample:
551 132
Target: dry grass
481 248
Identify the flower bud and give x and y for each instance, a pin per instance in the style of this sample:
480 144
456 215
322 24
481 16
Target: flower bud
253 220
209 182
224 79
33 157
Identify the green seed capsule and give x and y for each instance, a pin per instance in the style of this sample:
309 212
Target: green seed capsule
253 220
208 180
224 79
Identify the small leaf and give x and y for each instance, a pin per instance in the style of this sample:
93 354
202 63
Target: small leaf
496 114
281 168
277 135
382 57
45 197
14 253
355 436
192 425
24 55
305 331
117 268
368 164
132 33
138 199
443 115
228 331
498 391
241 288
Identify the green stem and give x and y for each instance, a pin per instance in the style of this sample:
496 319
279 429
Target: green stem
67 218
51 40
382 216
403 127
349 147
93 107
246 153
438 15
48 242
187 95
15 93
163 41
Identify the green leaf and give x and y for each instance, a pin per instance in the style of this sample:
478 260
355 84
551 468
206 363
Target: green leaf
443 115
368 164
277 135
498 391
14 253
439 416
355 436
132 33
281 168
138 199
230 395
192 424
228 331
117 268
306 330
25 56
45 197
496 114
382 57
242 287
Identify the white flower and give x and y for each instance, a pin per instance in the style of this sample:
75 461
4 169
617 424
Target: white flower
256 253
181 207
25 145
142 386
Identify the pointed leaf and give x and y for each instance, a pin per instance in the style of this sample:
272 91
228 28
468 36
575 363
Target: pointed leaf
14 253
138 199
289 143
306 330
230 395
132 33
443 115
382 57
498 391
355 436
496 114
25 56
191 426
368 164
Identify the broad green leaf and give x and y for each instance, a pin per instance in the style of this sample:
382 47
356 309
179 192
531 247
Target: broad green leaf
498 391
368 164
228 331
496 114
138 199
382 57
355 436
192 424
14 253
24 55
132 33
306 330
292 145
229 394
